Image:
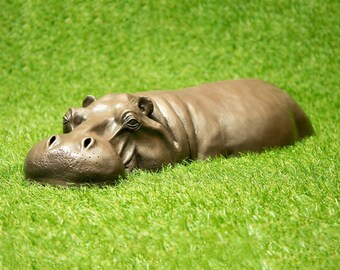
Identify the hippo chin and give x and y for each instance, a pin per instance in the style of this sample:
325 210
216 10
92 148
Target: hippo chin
120 132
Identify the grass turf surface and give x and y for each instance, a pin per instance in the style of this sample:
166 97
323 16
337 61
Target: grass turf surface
276 210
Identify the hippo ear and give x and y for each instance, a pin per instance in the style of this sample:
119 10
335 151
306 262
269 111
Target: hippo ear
145 105
88 100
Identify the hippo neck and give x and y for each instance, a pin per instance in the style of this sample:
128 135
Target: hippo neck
174 116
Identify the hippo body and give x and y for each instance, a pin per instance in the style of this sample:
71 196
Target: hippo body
149 129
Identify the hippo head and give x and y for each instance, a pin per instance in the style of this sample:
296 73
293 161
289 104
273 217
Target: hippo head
101 140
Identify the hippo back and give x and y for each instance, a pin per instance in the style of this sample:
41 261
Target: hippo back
229 117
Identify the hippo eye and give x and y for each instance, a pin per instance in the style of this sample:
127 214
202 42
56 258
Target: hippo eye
132 124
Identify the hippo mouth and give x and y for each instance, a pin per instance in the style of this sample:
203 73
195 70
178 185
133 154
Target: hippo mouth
67 160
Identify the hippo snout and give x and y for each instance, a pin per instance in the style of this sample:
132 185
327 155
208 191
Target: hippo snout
72 159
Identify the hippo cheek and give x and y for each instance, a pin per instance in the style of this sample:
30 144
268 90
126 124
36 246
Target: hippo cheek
64 162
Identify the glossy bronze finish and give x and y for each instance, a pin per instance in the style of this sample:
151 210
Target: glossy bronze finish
121 132
73 159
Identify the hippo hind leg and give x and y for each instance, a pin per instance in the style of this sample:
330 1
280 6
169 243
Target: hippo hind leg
303 125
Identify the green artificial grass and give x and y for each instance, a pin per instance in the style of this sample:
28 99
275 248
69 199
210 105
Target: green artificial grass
275 210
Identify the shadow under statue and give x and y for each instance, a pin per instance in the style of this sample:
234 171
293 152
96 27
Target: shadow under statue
117 133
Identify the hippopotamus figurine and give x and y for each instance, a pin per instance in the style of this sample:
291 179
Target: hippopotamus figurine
120 132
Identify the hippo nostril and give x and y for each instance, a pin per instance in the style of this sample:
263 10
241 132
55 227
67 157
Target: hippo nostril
88 142
51 140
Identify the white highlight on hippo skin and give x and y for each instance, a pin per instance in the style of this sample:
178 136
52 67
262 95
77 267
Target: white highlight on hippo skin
100 108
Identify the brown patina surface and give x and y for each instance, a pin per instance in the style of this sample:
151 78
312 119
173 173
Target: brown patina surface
119 132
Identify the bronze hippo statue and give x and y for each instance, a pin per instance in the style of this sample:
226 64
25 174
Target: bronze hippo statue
121 132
